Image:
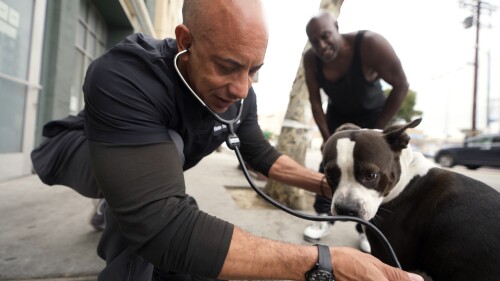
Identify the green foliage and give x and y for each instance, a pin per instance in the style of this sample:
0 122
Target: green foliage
407 111
267 134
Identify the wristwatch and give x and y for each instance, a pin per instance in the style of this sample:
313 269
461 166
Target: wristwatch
323 270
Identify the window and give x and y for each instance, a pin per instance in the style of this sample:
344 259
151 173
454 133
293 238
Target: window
481 141
90 42
15 42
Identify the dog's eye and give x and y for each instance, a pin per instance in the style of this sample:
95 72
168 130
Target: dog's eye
371 176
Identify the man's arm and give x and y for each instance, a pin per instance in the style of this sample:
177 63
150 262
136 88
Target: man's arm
252 257
379 55
310 70
288 171
145 190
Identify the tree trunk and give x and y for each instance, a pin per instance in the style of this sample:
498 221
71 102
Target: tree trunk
294 136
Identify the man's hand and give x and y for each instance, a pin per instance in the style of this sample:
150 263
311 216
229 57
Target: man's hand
350 264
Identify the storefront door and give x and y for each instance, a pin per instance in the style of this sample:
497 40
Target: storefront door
21 35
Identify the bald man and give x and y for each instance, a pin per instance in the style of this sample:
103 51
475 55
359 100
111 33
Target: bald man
348 68
145 127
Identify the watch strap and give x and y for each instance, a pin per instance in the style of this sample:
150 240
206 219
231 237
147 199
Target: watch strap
324 258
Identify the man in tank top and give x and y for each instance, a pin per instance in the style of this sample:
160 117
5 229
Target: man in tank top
348 68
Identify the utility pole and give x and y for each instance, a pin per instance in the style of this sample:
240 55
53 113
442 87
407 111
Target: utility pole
476 63
488 90
476 7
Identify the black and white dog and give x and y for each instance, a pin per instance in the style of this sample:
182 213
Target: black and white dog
439 222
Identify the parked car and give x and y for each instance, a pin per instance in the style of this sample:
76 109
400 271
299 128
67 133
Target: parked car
482 150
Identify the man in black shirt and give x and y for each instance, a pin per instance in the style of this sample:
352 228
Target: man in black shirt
144 128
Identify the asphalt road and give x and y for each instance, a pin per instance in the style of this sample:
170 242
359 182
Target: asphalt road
488 175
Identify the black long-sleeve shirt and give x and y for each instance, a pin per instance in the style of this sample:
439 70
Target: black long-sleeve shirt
133 96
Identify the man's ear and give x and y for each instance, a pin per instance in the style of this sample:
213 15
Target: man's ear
396 136
182 33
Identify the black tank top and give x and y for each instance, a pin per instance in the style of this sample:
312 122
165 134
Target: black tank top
352 99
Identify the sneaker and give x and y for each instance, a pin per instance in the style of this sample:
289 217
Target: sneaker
364 245
97 220
314 232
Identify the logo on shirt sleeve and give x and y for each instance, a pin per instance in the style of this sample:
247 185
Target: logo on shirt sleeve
220 129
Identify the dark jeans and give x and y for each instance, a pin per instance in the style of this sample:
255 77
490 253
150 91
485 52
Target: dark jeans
123 265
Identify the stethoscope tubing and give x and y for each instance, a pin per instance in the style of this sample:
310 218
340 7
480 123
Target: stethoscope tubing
270 200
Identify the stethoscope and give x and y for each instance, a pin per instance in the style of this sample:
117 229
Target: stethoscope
233 142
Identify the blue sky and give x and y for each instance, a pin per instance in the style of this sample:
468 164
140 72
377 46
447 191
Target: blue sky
428 36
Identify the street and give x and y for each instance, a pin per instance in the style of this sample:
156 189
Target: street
488 175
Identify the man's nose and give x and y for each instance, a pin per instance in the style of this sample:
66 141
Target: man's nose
238 88
321 44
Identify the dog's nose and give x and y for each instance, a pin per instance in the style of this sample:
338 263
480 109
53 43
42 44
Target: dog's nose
346 209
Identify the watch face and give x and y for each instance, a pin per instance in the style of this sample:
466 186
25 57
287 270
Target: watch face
320 275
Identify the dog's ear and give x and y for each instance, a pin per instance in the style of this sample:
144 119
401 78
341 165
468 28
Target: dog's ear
347 126
396 136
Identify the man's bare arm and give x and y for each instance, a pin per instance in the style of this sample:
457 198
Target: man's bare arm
379 55
313 88
252 257
288 171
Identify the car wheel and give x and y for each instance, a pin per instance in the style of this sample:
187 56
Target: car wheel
446 160
472 167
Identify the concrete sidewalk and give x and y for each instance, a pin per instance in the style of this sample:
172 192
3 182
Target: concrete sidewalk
45 234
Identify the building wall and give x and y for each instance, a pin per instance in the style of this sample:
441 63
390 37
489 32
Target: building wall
21 35
62 58
60 54
168 16
58 57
